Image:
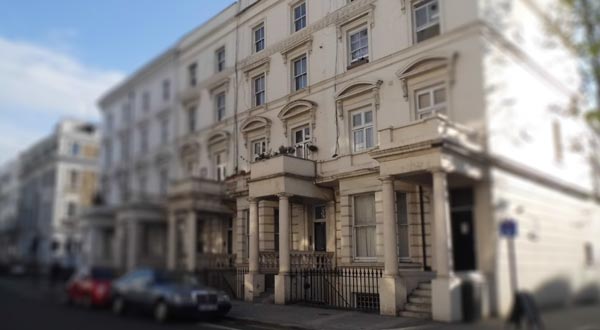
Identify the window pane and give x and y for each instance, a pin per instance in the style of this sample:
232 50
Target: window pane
368 117
423 101
421 17
298 136
357 120
364 209
358 140
369 137
439 96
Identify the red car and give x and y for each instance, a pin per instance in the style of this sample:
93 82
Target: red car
91 287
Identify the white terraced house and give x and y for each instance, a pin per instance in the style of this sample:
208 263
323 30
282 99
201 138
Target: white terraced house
360 154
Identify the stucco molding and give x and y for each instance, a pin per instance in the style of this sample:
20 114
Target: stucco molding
357 88
256 123
298 108
428 63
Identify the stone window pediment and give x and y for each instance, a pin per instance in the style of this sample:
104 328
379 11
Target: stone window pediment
296 47
358 89
217 138
425 65
257 67
296 110
256 125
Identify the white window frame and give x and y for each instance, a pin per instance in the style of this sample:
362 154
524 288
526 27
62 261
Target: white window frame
144 145
355 255
363 127
164 130
191 119
193 74
296 19
220 61
164 181
258 147
220 107
220 162
256 42
296 75
146 101
301 147
166 89
256 92
357 30
422 113
417 5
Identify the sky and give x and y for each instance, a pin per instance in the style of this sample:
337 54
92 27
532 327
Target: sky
58 57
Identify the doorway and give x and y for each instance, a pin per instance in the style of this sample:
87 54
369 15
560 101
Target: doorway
463 230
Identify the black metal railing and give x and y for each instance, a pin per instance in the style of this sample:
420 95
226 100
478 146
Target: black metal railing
355 288
231 280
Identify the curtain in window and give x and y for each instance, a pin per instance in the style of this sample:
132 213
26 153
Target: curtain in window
364 223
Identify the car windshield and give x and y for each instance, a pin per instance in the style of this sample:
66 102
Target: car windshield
177 277
102 274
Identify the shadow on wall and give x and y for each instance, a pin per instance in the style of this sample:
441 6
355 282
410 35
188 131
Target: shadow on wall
558 293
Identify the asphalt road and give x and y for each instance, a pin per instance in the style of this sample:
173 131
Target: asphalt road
25 306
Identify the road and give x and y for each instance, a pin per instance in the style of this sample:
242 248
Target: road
24 306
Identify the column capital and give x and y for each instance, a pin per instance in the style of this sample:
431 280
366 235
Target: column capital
438 170
386 178
284 195
253 199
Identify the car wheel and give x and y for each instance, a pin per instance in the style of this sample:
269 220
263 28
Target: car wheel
118 306
161 312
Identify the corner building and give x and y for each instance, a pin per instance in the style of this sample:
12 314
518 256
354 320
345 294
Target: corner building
362 154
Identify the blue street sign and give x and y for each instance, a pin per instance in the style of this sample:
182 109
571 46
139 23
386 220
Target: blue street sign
508 228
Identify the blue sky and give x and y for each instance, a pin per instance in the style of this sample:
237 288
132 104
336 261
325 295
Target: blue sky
57 57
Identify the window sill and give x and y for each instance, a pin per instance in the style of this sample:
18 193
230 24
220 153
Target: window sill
357 63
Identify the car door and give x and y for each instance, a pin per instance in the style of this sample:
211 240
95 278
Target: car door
140 287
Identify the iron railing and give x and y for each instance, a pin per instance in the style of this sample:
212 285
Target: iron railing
355 288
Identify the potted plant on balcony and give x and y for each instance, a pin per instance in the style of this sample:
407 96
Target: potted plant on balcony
312 147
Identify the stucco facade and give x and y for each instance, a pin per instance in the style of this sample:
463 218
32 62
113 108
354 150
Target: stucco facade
386 135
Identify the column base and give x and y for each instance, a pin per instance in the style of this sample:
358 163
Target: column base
254 285
392 295
283 285
446 304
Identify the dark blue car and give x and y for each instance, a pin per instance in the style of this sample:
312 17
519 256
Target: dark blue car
167 295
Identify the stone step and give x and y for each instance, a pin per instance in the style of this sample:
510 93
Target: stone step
421 308
417 315
425 285
419 299
421 293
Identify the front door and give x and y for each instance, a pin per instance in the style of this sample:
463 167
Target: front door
320 228
463 231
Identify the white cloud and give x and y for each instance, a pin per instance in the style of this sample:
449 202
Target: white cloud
40 79
44 84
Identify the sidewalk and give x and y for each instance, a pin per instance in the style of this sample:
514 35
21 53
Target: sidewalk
302 317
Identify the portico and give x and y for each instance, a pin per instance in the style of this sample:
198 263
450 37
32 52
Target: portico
284 184
441 155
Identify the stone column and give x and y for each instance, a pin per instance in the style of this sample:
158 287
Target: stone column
254 282
119 246
446 300
253 236
190 246
282 280
392 289
390 238
172 241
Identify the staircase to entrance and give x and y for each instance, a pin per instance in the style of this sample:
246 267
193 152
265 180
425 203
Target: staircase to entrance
419 302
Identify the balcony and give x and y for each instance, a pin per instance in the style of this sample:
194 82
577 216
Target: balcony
432 143
191 186
285 174
215 261
269 260
282 165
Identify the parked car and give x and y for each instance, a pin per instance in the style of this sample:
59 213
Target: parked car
91 286
167 295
